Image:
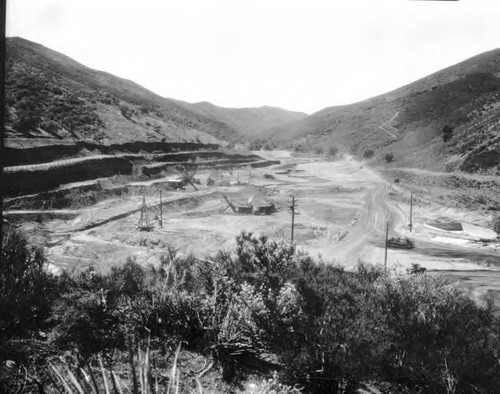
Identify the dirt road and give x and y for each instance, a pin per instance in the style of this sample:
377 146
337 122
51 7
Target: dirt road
343 211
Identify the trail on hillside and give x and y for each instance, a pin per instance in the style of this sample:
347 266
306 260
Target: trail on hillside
387 124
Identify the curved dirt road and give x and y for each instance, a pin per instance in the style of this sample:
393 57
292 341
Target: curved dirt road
366 234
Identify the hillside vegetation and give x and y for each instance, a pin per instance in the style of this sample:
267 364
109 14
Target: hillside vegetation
448 120
52 97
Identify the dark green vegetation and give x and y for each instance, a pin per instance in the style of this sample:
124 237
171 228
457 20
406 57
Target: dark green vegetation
261 308
448 120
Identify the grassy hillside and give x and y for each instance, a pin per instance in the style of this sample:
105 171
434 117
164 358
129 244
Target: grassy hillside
411 121
50 96
252 122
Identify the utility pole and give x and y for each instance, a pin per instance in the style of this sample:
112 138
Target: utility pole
161 212
293 207
411 212
386 239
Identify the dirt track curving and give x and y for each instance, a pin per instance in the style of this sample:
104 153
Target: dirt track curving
343 210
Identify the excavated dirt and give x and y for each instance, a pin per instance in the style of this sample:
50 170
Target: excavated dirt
343 211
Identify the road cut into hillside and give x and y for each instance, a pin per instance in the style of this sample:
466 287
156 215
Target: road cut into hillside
343 209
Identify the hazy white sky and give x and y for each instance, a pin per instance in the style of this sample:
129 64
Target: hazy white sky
297 54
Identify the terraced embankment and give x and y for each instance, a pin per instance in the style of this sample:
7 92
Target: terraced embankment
34 179
82 180
17 154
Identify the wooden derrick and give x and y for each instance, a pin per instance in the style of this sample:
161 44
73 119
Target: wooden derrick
144 222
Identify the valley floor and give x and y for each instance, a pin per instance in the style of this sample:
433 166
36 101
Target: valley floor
343 210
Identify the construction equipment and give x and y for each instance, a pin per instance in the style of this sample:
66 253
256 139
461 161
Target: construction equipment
144 222
265 208
187 176
400 243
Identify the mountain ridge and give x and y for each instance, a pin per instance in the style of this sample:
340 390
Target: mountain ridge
50 95
409 121
251 121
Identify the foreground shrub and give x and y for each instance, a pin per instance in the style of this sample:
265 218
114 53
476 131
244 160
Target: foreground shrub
339 342
438 335
260 308
26 292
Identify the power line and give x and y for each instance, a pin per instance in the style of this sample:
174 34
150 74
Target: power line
293 208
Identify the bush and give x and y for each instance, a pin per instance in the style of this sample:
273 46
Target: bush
338 343
27 291
27 121
447 132
126 111
368 154
49 126
438 335
389 157
332 150
264 307
255 145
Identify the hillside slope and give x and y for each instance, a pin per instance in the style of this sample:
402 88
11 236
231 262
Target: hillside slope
409 121
52 97
251 122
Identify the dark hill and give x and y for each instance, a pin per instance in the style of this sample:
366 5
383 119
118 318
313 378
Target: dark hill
252 122
409 121
52 97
